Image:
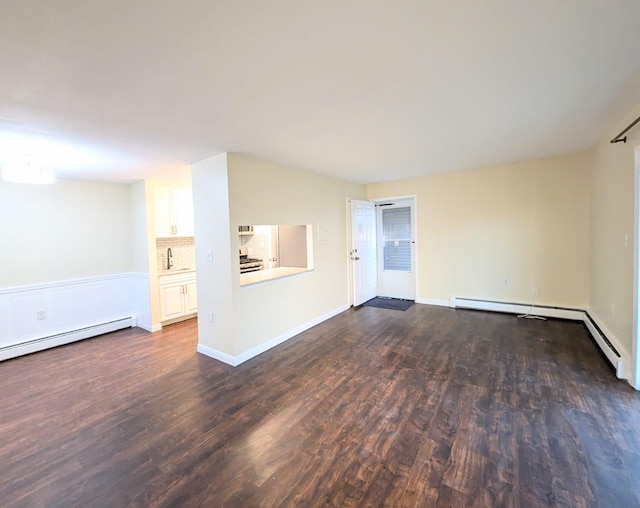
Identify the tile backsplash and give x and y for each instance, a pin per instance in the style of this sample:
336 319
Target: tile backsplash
182 250
257 244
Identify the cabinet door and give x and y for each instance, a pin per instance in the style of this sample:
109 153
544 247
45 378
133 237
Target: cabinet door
183 211
171 301
190 298
163 210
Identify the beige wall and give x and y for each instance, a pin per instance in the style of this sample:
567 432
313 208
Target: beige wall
230 190
526 222
266 193
138 222
68 230
143 249
212 234
612 217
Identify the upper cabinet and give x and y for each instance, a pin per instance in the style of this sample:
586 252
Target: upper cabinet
174 212
183 212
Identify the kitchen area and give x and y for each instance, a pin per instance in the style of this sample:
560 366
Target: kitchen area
175 254
270 252
266 252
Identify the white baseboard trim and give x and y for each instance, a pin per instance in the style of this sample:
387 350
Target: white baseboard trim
60 339
247 355
150 328
428 301
216 355
265 346
617 357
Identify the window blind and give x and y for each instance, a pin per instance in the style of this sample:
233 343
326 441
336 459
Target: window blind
396 234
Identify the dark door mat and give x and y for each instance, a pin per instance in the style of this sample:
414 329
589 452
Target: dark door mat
389 303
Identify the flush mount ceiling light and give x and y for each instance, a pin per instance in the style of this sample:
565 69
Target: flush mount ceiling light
27 173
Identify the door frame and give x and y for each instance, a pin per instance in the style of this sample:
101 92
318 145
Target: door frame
635 345
414 220
347 254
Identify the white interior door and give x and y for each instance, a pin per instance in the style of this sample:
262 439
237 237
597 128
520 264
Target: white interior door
396 249
363 251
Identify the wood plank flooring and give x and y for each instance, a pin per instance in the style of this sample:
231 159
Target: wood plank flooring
375 407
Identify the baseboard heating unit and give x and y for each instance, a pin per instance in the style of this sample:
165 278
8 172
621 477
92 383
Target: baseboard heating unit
59 339
620 363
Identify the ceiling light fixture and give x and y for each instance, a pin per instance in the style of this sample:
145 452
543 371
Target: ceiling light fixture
27 173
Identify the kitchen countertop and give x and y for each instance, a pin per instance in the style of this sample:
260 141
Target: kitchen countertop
176 271
249 278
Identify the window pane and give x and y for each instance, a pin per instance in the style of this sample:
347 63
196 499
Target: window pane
396 233
397 255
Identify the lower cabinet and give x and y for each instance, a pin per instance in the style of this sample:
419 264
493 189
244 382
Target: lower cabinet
190 298
178 296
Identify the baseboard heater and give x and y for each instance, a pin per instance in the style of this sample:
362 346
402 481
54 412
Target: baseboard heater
608 349
59 339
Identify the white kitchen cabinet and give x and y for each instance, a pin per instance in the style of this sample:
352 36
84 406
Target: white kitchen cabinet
178 296
172 301
190 298
174 212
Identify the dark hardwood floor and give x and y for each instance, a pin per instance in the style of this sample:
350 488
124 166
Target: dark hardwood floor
375 407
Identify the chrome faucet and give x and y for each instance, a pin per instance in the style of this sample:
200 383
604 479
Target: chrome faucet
169 260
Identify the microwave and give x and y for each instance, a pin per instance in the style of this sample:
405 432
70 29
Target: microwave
245 229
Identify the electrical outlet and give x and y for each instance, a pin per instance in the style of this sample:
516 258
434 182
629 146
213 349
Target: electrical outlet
209 256
505 282
536 292
41 315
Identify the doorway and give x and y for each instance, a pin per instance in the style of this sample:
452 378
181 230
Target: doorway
382 249
395 225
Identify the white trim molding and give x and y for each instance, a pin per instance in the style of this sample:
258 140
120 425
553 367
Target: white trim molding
67 282
635 338
150 328
234 361
428 301
216 355
39 316
60 339
617 356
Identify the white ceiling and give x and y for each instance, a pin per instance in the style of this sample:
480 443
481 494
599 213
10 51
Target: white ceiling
366 90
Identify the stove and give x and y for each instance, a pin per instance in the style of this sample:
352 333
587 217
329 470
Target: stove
248 264
251 265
